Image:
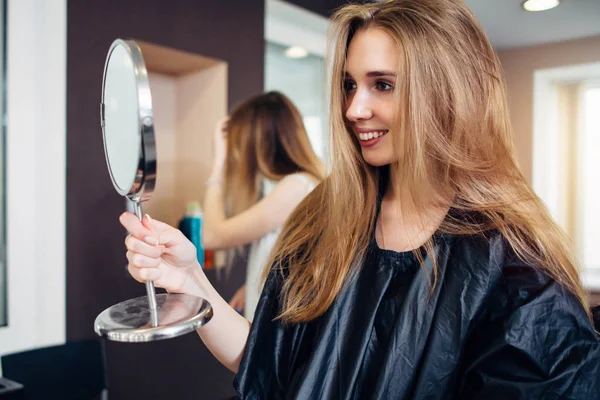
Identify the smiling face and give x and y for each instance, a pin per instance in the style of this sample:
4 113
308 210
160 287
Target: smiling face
370 78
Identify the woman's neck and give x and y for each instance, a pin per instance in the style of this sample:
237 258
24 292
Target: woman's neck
403 225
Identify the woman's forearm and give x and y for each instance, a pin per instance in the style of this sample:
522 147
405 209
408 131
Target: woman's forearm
214 209
225 335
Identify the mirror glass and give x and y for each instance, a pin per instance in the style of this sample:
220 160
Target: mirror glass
122 135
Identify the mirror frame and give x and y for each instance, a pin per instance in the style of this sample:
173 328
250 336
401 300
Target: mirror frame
145 177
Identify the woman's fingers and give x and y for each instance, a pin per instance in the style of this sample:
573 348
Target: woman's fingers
150 232
223 125
134 226
143 249
165 234
143 268
238 302
144 274
136 245
142 261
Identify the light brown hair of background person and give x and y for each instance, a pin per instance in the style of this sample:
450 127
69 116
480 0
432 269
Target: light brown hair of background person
265 138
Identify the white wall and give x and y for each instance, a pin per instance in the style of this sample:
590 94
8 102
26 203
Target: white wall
289 25
36 163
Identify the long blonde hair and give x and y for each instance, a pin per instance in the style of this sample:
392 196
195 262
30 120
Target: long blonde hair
265 138
454 135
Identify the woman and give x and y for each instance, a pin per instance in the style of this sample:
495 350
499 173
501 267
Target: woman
271 167
424 266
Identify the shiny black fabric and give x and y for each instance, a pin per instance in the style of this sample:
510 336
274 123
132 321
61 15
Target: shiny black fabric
493 328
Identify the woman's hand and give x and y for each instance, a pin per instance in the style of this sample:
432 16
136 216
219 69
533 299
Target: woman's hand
160 253
238 301
220 143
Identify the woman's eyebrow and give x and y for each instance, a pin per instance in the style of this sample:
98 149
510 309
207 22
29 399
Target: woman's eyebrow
373 74
376 74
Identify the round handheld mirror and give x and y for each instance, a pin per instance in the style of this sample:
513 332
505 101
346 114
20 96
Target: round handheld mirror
127 125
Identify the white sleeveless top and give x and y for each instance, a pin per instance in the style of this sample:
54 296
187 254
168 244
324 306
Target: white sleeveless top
261 249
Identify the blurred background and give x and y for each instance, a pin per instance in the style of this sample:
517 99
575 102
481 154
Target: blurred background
62 258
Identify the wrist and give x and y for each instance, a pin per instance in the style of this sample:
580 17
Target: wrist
213 181
216 175
197 284
218 167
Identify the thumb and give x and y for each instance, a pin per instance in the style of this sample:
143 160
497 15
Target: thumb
164 234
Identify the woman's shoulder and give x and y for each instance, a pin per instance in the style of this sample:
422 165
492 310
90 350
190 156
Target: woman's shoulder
300 183
512 289
512 280
302 178
491 258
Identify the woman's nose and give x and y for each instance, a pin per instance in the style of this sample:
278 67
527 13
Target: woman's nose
359 108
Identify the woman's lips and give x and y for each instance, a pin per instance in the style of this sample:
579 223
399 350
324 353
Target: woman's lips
371 138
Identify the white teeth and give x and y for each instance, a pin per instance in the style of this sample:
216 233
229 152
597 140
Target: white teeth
371 135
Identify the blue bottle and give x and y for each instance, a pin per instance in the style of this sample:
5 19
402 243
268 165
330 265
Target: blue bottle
191 226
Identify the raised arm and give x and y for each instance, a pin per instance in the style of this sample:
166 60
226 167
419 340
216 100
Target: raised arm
265 216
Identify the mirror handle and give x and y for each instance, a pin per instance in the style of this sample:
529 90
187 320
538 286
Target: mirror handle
137 207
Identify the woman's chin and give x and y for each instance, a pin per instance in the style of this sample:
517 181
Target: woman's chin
376 160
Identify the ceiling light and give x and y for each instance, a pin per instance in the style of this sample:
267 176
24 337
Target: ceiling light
296 52
540 5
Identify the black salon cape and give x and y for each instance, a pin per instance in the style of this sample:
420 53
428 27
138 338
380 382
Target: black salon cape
494 328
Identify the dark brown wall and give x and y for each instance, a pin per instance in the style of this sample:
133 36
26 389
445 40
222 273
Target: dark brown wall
323 7
595 298
231 30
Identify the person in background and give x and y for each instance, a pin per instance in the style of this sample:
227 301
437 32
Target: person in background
264 166
424 266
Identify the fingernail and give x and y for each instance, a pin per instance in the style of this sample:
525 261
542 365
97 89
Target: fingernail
151 240
149 218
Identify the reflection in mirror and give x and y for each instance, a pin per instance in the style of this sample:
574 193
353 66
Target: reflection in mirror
122 126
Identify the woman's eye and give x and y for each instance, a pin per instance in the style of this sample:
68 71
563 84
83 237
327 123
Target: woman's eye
383 86
349 86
